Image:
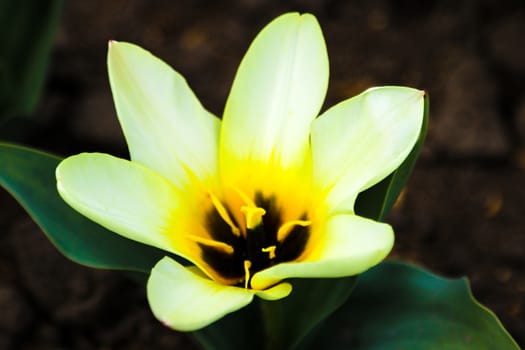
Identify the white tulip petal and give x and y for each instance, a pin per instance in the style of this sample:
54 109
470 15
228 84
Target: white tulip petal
278 90
123 196
187 301
279 291
348 245
166 127
358 142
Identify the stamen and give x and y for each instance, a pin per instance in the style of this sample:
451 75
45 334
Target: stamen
271 251
253 216
287 227
251 211
247 265
226 248
224 214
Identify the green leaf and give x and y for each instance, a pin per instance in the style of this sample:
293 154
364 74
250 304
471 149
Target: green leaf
240 330
283 324
398 306
290 320
376 202
27 30
29 176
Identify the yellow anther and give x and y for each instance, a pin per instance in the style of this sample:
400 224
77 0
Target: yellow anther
285 228
270 250
224 214
223 247
251 211
253 216
247 265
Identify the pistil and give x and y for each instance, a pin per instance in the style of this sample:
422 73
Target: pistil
250 237
252 213
253 216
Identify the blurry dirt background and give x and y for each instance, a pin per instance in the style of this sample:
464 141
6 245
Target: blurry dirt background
462 213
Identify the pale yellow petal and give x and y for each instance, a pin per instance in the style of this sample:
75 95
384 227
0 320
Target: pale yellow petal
279 291
358 142
187 301
278 90
133 201
166 127
120 195
347 245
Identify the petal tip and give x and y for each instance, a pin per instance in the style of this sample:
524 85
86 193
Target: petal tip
185 301
277 292
113 44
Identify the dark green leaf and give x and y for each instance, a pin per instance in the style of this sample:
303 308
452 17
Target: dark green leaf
27 30
290 320
376 202
397 306
240 330
283 324
29 176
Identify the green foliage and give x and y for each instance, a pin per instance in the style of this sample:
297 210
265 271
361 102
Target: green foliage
240 330
290 320
29 176
268 325
398 306
27 30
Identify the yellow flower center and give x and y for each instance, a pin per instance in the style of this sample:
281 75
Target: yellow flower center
253 240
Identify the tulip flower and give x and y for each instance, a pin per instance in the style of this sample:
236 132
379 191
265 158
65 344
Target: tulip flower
251 200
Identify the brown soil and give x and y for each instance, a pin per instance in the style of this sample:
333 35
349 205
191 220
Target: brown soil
462 212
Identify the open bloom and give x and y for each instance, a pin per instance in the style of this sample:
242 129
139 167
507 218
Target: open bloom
263 195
